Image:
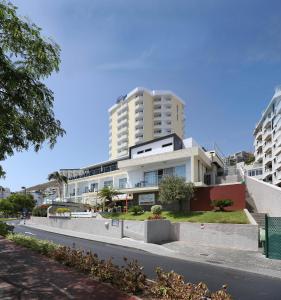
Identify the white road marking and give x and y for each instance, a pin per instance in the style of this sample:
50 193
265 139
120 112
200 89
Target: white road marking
27 232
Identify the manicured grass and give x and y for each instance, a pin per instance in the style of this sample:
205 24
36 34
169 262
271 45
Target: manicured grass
235 217
7 219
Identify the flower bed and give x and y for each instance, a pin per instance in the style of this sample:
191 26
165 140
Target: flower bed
129 278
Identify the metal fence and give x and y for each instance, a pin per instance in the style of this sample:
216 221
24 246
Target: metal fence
273 237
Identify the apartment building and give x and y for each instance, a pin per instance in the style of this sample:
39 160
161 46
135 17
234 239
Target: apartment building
137 176
143 115
267 142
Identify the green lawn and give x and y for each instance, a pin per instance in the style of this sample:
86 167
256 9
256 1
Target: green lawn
236 217
7 219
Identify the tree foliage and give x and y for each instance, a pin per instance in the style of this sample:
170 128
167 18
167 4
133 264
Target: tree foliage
26 103
175 189
107 193
59 179
17 203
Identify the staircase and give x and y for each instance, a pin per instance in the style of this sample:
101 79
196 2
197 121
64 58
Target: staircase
259 218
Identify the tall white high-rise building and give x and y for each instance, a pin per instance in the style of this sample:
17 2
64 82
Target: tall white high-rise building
143 115
267 142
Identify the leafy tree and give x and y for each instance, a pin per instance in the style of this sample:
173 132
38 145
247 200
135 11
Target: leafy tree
26 104
175 189
22 201
250 159
60 180
6 207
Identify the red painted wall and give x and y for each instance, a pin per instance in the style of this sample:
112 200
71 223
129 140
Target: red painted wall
204 196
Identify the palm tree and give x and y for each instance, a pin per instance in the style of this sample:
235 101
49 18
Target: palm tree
107 193
59 179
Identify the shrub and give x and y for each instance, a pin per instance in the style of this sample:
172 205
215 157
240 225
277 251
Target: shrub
41 246
170 285
129 278
136 210
62 210
156 209
155 217
222 203
5 229
40 211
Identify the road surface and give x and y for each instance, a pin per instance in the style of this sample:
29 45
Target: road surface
242 285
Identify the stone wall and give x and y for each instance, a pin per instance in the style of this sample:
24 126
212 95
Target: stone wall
133 229
91 226
236 236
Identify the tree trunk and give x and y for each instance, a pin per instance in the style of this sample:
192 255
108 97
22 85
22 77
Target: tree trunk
180 205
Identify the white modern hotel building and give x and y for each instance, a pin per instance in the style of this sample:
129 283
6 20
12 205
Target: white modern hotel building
267 141
138 174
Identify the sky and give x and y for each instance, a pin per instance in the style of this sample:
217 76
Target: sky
223 58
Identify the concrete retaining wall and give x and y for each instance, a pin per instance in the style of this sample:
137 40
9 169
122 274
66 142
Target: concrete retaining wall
236 236
266 197
91 226
134 229
157 231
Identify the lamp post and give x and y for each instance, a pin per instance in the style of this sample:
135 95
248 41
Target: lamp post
24 209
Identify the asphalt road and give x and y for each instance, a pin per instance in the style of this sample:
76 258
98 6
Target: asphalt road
242 285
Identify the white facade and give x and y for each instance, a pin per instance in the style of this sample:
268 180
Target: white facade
141 172
267 141
4 192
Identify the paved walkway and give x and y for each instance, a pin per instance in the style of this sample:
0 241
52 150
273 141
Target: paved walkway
28 275
249 261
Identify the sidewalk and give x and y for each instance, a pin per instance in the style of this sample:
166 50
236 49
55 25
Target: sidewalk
248 261
25 274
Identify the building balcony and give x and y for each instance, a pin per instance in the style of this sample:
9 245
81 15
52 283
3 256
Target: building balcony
267 147
267 134
267 121
122 119
156 100
259 156
123 152
124 125
267 159
139 139
139 101
258 145
157 107
258 135
157 123
278 108
139 110
157 115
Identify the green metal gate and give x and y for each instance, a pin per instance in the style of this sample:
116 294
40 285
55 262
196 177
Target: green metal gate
273 237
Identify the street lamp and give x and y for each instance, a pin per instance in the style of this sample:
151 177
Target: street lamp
24 209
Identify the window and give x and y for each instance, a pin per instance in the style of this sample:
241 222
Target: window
166 145
108 183
94 187
140 152
180 171
122 183
147 150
